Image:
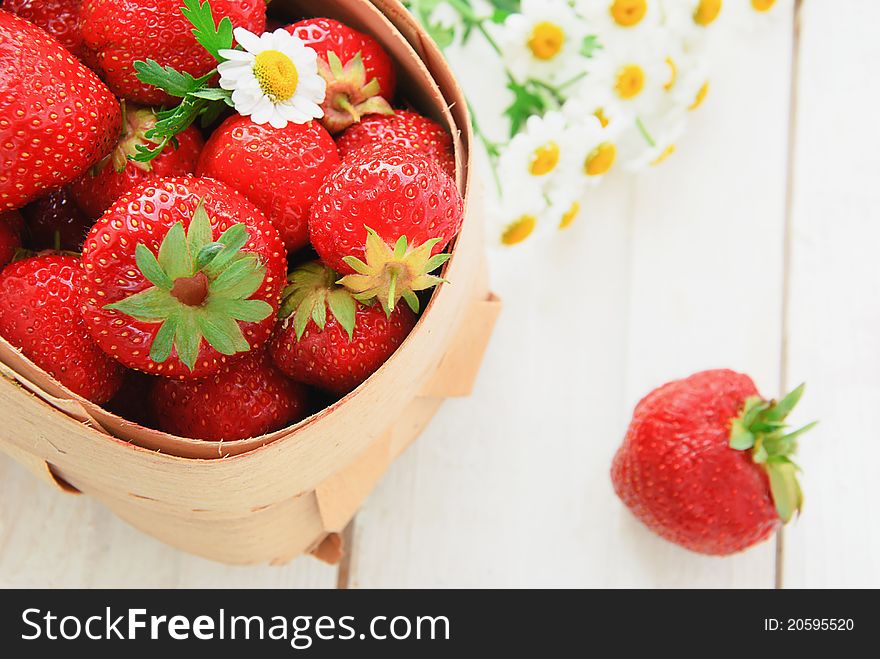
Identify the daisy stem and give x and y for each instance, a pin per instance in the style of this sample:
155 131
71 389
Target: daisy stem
490 146
644 131
467 13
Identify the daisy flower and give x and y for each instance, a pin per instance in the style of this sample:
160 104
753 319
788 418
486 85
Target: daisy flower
520 216
593 152
749 15
620 16
694 14
543 42
633 72
535 157
274 79
652 140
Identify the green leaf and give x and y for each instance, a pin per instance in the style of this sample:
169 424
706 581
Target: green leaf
234 238
212 37
525 104
164 340
151 305
412 300
215 94
222 333
150 268
173 82
211 113
240 280
787 495
741 438
590 45
344 309
247 311
188 337
207 254
302 317
174 256
198 236
783 408
436 261
170 123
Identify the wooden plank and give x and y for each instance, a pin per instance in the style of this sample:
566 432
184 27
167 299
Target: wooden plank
834 307
677 271
48 539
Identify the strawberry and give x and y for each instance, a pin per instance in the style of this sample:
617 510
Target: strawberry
56 222
56 118
180 275
248 399
60 18
404 129
328 339
117 33
360 75
39 315
10 236
706 463
383 218
96 190
279 170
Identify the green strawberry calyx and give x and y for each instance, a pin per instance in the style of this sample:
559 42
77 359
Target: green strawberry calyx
349 96
761 429
312 292
137 123
201 290
387 274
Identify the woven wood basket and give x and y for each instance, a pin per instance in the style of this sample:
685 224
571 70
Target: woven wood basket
272 498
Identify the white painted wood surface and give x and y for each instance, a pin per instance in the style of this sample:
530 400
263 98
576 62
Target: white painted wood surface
680 269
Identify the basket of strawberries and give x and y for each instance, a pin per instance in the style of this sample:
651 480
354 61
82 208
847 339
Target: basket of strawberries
242 268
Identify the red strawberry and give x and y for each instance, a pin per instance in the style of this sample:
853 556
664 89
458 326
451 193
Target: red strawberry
359 73
117 33
706 463
279 170
10 236
384 217
96 190
248 399
56 118
39 314
406 130
56 222
60 18
180 275
329 340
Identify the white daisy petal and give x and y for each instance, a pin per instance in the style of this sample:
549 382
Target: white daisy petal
247 40
237 55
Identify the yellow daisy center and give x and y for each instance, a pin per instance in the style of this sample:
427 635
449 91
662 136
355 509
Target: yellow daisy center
700 97
763 5
547 40
545 159
627 13
518 231
630 81
570 215
276 74
602 117
601 159
668 151
673 74
706 12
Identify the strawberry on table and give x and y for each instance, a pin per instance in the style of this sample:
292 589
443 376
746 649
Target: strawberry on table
182 274
96 190
56 222
56 117
10 236
60 18
279 170
384 218
706 463
360 75
248 399
328 339
39 314
117 33
404 129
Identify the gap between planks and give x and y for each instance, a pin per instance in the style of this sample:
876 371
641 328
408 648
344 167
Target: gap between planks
779 582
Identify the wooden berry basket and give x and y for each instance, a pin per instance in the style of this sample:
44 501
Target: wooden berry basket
272 498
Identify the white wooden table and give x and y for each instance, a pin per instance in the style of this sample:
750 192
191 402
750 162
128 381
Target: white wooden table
755 247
